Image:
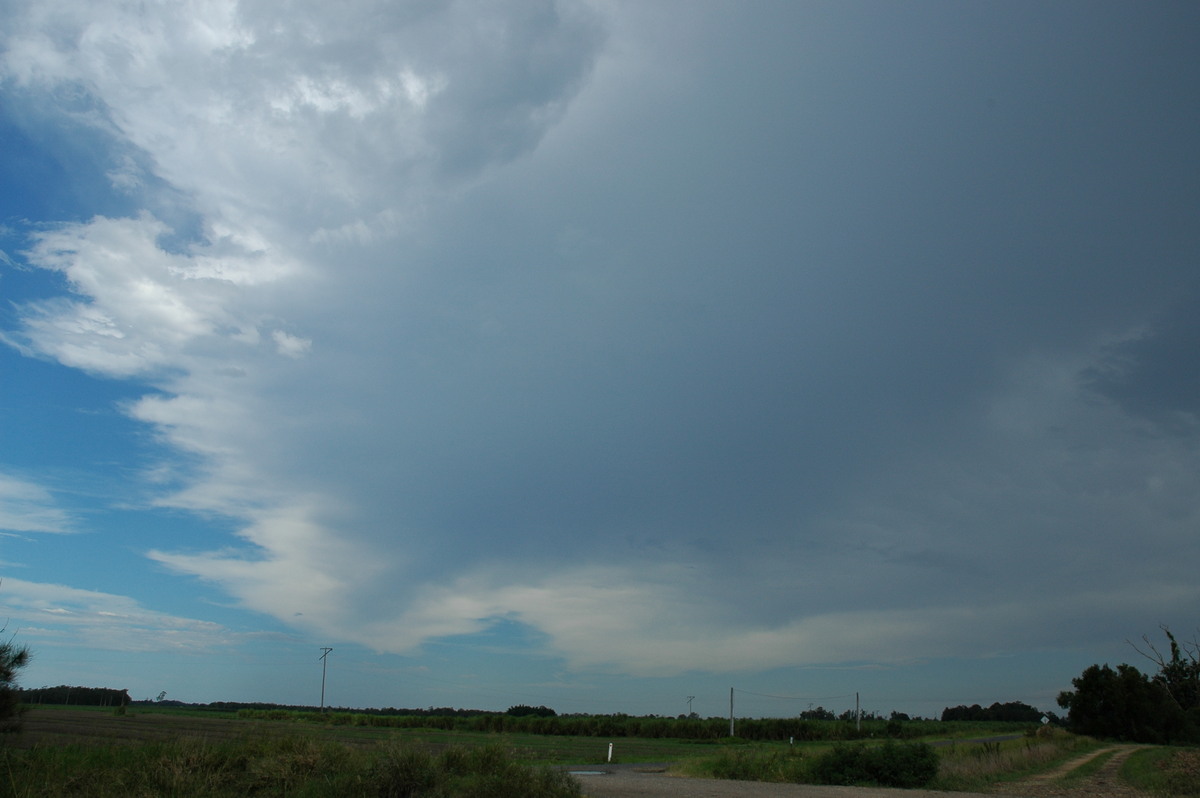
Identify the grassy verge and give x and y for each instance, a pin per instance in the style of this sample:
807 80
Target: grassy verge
754 762
886 764
961 766
1169 772
299 767
974 767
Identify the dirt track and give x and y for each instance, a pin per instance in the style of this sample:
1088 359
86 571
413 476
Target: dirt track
637 782
1104 783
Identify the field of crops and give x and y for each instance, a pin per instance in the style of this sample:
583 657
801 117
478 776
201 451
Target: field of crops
96 726
148 750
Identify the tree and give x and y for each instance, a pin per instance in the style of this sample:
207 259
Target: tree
12 659
1180 674
1126 704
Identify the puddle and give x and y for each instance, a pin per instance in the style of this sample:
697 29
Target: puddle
588 772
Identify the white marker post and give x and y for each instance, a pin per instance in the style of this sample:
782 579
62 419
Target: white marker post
610 752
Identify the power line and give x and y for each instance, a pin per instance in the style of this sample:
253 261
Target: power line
794 697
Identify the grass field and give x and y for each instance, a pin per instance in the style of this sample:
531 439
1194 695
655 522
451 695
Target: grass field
101 754
152 751
88 727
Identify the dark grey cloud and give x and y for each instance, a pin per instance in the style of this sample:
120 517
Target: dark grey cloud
817 321
1151 375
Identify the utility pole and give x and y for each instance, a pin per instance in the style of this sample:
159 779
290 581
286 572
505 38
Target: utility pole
689 700
324 654
857 714
730 711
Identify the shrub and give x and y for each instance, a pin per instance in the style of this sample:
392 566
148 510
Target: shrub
487 772
12 659
905 765
406 772
758 766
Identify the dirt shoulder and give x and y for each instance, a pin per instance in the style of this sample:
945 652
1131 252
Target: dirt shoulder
655 782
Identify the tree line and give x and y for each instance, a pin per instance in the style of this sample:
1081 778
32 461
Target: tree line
621 725
75 696
1013 711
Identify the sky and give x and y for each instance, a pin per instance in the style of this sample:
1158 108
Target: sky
602 355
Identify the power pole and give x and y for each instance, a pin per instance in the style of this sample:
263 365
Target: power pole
730 711
324 654
689 700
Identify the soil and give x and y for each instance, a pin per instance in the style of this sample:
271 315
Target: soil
637 782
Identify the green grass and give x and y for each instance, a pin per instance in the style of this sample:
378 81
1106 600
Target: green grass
300 767
57 726
751 761
1164 771
887 763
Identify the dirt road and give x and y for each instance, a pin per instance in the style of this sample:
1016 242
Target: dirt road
655 783
1104 783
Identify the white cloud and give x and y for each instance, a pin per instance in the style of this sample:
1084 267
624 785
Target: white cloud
56 615
28 507
295 568
290 345
297 121
142 309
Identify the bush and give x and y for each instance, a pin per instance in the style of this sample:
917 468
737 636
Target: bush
758 766
905 765
487 772
12 659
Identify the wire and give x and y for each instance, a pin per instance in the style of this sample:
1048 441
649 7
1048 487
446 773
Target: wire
793 697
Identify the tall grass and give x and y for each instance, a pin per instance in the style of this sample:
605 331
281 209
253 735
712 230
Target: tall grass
889 764
294 767
751 764
973 766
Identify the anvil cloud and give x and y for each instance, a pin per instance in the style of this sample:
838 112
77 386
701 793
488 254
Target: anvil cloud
558 349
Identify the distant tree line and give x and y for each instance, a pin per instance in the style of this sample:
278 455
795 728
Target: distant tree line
267 706
1126 704
1013 711
522 711
621 725
75 696
821 713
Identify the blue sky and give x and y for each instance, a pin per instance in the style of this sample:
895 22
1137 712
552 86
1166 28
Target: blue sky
598 354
